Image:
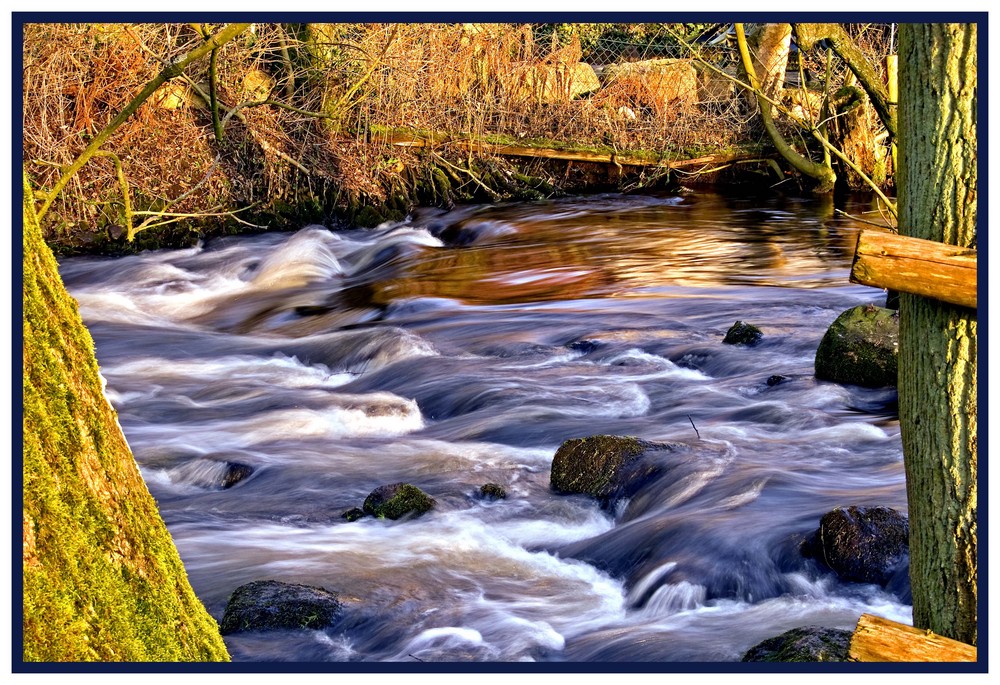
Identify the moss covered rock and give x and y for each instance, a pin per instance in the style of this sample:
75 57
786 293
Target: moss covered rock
862 544
273 605
809 643
102 578
743 333
398 500
861 347
492 491
606 467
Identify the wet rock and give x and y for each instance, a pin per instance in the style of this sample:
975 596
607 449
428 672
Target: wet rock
353 514
492 491
743 333
862 544
606 467
775 380
861 347
216 474
235 473
809 643
274 605
398 500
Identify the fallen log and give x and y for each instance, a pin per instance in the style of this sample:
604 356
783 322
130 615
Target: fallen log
879 639
413 140
912 265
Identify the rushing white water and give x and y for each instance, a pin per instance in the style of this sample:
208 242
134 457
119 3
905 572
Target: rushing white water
267 384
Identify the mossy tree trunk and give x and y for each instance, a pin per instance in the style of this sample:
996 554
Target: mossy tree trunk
102 580
937 341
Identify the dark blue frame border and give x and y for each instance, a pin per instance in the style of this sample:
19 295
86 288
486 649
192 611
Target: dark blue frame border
19 19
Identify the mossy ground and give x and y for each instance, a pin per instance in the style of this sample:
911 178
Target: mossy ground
102 578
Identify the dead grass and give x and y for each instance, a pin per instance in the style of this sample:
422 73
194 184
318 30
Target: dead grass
326 86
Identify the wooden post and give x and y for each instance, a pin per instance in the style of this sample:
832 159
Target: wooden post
892 85
920 267
879 639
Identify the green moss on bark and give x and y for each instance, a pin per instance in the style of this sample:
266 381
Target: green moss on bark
102 578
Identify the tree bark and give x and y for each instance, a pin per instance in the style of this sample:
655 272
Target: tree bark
937 341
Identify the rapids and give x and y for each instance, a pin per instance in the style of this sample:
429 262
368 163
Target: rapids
461 348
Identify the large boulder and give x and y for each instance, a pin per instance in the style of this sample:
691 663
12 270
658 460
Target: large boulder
274 605
862 544
607 467
559 82
397 500
809 643
861 347
661 84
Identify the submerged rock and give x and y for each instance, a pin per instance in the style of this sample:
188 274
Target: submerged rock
861 347
398 500
606 467
743 333
353 514
809 643
274 605
492 491
862 544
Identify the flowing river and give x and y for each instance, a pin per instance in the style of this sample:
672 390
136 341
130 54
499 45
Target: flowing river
462 348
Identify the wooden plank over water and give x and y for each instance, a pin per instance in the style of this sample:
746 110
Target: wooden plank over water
879 639
415 140
920 267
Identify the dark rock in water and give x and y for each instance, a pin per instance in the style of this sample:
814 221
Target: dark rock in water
606 467
809 643
861 347
862 544
775 380
492 491
212 473
398 500
353 514
585 346
273 605
235 472
743 333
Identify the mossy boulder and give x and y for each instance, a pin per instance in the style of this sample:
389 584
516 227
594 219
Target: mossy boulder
274 605
809 643
102 579
862 544
861 347
492 491
606 467
398 500
743 333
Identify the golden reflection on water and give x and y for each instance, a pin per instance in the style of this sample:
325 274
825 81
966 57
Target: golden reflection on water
565 251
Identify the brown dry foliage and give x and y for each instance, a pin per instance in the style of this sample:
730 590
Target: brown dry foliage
340 82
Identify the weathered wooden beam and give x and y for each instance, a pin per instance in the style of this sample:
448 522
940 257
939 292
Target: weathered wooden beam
403 139
920 267
879 639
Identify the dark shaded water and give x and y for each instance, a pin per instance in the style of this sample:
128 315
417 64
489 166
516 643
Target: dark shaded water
463 348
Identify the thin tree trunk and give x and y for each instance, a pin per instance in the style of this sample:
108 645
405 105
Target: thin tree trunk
823 174
937 341
810 34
